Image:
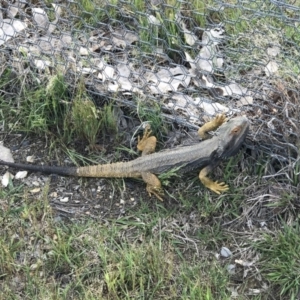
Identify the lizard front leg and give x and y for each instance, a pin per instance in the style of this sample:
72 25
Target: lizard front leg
215 186
211 125
147 145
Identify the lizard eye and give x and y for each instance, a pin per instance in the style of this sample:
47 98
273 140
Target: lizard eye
236 130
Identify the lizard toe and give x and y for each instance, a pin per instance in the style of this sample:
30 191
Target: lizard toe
219 187
156 191
220 119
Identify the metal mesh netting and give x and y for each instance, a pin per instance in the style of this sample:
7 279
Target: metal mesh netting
192 58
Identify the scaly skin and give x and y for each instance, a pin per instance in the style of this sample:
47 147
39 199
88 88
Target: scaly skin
204 156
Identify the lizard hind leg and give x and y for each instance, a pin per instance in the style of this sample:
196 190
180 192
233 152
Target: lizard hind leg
215 186
153 185
147 143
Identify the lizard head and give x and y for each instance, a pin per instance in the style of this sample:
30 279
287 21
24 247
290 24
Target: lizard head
232 134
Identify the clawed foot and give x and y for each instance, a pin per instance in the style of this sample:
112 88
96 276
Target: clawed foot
211 125
157 192
219 120
218 187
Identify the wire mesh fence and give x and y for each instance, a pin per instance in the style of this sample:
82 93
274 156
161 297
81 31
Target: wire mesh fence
191 58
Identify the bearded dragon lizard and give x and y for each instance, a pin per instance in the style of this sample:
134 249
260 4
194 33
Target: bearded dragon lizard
205 155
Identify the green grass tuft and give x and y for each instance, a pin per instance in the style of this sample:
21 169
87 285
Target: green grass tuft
280 259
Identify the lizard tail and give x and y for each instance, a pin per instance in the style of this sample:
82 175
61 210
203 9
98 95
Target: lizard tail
65 171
